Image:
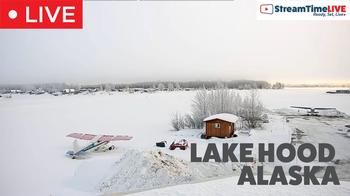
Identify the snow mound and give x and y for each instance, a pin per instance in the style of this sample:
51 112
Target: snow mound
138 170
145 170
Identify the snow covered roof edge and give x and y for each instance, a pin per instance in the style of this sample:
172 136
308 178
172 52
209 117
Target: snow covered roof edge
223 116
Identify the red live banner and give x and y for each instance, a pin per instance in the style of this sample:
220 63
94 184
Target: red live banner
41 14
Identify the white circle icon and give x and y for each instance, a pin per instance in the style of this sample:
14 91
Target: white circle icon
12 14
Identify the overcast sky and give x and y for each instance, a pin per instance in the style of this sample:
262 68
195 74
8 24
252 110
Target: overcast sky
148 41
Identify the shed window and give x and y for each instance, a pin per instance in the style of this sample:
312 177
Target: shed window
217 125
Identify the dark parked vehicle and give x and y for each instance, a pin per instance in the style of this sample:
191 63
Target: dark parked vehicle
161 144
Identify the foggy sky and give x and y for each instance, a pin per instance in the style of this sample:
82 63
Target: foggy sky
149 41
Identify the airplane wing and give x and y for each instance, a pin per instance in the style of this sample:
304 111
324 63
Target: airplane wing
114 137
122 137
82 136
325 108
104 138
306 108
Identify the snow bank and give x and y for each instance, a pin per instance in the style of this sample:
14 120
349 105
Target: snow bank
137 170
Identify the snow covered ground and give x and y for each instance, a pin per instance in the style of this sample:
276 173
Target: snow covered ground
327 130
33 130
227 186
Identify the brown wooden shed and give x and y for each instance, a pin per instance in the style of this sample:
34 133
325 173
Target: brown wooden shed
220 125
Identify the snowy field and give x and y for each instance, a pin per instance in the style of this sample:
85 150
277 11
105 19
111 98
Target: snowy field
33 141
227 186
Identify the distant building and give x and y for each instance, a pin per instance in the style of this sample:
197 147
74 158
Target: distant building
68 91
220 125
16 91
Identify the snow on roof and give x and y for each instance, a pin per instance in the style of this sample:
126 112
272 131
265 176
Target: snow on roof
223 116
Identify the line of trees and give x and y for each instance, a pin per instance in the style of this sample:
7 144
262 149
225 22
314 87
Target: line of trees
221 100
160 85
234 84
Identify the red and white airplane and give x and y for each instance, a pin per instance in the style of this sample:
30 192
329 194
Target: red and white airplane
98 143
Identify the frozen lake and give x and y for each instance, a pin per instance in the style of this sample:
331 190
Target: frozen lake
312 97
33 128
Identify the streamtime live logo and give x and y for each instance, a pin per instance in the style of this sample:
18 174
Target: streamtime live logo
41 14
303 10
266 8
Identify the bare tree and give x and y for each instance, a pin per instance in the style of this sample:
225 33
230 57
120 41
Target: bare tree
278 85
177 86
177 122
170 86
252 110
222 100
200 108
161 86
189 121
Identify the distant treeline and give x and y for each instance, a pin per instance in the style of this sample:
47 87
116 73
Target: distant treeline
159 85
317 85
235 84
